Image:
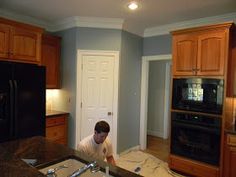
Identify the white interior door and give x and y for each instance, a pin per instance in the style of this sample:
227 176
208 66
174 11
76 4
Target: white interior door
97 92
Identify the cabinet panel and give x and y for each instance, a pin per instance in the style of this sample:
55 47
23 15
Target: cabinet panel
212 49
185 54
24 45
56 129
192 167
4 38
201 51
50 59
55 132
230 156
20 42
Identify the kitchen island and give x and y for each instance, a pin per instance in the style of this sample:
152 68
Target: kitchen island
46 153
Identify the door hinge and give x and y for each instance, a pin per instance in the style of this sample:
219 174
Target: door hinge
81 104
82 66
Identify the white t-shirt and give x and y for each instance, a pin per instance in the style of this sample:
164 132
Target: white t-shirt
97 151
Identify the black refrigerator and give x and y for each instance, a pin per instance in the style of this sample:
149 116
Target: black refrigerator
22 100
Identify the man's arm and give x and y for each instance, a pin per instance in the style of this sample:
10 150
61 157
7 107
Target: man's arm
111 160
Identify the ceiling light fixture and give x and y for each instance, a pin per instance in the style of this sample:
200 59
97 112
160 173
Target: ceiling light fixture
133 5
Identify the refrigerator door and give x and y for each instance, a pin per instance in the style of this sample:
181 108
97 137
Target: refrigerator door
29 91
6 107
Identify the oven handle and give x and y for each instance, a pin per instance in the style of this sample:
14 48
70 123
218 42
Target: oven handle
196 127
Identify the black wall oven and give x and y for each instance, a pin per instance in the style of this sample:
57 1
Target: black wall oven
196 137
198 94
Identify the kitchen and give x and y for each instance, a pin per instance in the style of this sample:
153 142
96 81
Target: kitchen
115 40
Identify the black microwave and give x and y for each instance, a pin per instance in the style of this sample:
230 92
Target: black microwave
198 94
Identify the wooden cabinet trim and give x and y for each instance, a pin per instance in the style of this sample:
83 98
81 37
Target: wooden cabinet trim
200 59
23 42
193 167
231 140
51 59
56 128
214 27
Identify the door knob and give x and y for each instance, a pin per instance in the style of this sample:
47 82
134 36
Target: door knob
109 113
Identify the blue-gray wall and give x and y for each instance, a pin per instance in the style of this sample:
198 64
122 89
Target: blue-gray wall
129 91
130 47
68 79
157 45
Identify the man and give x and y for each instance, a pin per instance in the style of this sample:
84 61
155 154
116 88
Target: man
98 145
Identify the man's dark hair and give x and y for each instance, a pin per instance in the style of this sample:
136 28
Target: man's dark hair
102 126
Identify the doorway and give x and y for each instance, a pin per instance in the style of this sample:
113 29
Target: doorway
144 97
97 92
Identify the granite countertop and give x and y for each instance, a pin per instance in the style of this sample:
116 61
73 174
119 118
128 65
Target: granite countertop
54 113
46 153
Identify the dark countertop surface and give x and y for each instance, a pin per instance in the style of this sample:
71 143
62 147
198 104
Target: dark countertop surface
50 113
46 153
231 129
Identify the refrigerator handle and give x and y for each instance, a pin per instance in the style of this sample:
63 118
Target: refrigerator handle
16 108
11 109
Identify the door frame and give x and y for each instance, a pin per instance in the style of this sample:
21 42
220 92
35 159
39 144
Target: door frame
80 54
144 97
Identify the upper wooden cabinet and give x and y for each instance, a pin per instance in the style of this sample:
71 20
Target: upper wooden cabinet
20 42
51 59
201 51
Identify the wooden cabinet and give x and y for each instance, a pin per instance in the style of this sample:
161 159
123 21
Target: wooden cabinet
230 156
192 168
20 42
201 51
51 59
56 128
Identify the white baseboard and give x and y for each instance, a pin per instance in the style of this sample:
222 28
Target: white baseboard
128 150
156 133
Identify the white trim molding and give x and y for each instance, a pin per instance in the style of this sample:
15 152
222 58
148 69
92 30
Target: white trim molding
76 21
166 29
91 22
144 97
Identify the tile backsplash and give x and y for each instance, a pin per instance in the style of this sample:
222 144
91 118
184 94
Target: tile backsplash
57 100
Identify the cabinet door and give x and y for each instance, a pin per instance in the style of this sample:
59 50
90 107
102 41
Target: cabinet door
25 45
212 53
50 59
4 40
184 54
230 162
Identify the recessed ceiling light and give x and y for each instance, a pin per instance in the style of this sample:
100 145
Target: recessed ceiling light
133 5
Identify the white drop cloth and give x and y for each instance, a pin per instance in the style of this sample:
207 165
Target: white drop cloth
150 166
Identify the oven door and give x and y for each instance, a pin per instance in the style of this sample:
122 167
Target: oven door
196 142
196 94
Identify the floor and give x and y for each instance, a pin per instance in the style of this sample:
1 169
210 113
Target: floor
158 147
153 162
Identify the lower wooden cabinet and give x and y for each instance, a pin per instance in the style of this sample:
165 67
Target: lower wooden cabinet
230 156
56 128
192 168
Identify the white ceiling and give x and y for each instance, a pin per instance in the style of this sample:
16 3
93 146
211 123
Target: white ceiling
152 13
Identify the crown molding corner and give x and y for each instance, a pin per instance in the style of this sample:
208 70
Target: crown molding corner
91 22
166 29
76 21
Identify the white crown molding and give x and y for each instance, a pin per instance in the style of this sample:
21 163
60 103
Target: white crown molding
166 29
92 22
